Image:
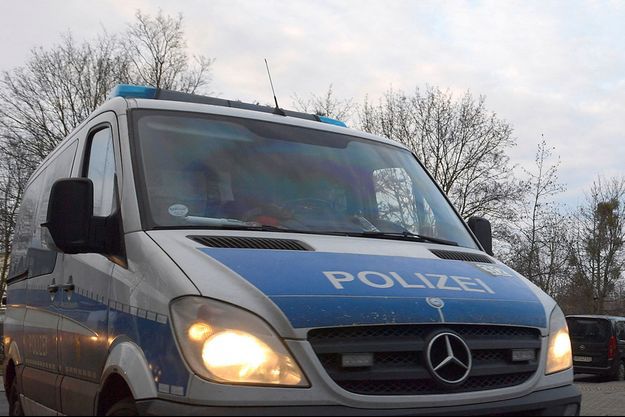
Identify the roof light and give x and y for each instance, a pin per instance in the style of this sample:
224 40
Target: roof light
331 121
139 91
133 91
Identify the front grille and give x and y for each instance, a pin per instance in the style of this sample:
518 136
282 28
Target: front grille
398 358
425 387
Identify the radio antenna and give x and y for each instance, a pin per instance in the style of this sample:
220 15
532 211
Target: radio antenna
278 110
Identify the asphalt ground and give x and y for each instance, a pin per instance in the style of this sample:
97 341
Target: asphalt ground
600 398
4 405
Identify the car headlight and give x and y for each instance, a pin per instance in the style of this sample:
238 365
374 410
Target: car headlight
560 355
226 344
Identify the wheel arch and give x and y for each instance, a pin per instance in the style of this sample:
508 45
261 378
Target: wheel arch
126 372
113 390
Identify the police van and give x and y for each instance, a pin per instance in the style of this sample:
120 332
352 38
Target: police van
180 254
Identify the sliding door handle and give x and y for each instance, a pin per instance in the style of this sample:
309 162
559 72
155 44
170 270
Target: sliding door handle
67 287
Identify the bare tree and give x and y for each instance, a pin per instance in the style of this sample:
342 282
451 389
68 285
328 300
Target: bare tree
462 144
325 105
13 177
43 101
619 299
598 241
157 52
537 240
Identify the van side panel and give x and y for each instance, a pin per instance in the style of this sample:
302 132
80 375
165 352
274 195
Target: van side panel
139 312
78 397
32 253
83 345
41 387
35 266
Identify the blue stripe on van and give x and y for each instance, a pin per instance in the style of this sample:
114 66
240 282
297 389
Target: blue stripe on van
296 283
157 342
155 339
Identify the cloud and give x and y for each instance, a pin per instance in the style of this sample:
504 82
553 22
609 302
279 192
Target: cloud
552 68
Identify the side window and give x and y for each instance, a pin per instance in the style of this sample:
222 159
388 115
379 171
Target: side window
101 170
30 251
26 227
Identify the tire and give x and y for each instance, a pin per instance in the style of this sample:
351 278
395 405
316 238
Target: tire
620 372
15 405
125 407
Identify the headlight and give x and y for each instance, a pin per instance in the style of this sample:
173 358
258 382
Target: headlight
560 356
226 344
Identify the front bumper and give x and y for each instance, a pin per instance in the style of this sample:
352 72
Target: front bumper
564 401
595 370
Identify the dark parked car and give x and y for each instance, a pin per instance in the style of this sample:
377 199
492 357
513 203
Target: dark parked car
598 345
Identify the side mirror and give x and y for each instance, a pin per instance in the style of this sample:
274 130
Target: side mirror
71 223
483 231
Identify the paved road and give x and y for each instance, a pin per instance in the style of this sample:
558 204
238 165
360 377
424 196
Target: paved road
4 405
599 398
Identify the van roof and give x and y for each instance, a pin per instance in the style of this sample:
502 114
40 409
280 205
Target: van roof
141 92
159 99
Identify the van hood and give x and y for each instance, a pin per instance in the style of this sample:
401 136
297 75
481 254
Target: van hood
326 288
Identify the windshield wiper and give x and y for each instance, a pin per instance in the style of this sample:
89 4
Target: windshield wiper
233 224
243 226
406 236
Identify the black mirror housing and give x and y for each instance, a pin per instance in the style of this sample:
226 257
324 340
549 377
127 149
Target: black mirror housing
71 223
483 231
70 210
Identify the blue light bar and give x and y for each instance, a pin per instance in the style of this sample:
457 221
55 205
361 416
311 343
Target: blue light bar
133 91
331 121
139 91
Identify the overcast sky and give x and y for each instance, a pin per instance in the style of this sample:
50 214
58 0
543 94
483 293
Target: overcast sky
552 68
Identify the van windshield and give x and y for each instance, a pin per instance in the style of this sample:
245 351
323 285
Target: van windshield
596 330
210 171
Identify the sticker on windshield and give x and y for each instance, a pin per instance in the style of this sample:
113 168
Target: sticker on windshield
493 270
179 210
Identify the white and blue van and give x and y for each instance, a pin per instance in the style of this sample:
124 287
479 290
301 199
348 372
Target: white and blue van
186 255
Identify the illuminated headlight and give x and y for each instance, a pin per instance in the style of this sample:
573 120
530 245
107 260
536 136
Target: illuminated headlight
225 344
560 356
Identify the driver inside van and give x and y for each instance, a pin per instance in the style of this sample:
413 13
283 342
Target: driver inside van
196 190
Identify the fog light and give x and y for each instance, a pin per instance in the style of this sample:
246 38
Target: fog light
357 360
523 355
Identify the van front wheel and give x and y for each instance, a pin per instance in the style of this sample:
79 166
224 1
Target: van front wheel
125 407
15 405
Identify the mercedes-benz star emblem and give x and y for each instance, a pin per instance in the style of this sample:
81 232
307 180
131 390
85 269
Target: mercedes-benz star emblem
449 358
435 302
